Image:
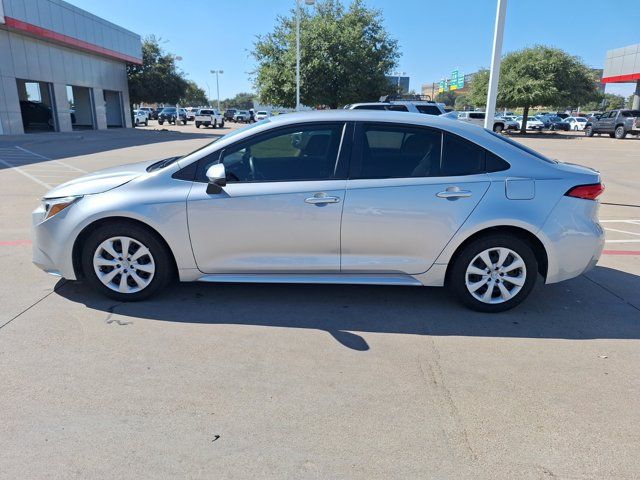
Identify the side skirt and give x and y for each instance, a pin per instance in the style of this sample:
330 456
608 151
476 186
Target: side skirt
319 278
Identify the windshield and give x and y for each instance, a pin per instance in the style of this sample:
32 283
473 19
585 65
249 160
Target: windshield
521 147
555 119
581 119
168 110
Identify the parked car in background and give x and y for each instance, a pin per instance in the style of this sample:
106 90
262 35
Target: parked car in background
419 200
209 117
229 113
553 122
477 118
140 117
617 123
261 115
191 113
168 114
147 110
243 116
35 113
410 103
532 123
155 113
576 123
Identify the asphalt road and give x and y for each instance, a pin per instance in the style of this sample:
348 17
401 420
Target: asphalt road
282 381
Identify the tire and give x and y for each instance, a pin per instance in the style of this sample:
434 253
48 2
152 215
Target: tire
146 123
160 122
523 278
497 128
214 124
222 123
184 122
197 124
588 131
576 128
154 270
620 132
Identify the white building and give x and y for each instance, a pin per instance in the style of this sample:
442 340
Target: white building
62 68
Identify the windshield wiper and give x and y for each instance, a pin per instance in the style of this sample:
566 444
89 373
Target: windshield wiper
162 163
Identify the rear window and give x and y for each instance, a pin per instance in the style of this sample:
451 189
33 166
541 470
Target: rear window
522 147
428 109
205 112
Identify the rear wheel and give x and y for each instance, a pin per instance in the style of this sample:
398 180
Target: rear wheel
494 273
197 124
160 122
126 262
222 123
498 128
620 132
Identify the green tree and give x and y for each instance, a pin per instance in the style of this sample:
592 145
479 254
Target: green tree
448 98
345 54
538 76
243 101
157 79
462 102
605 101
194 95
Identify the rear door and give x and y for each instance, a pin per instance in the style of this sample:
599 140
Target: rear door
410 189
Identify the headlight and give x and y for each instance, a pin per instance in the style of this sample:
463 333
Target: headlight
52 206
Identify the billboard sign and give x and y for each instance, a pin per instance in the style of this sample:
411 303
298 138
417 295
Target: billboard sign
457 80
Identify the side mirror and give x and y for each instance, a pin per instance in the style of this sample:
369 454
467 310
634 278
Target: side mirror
217 177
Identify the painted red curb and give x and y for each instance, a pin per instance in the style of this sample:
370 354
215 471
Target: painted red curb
621 252
14 243
40 32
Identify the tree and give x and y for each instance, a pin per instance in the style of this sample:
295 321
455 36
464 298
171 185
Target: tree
535 76
157 79
243 101
462 103
605 101
448 98
194 95
345 54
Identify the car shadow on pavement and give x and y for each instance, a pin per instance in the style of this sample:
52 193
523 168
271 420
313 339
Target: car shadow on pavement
578 309
56 146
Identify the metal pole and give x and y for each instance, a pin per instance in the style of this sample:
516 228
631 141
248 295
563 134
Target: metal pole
635 103
297 55
496 57
218 89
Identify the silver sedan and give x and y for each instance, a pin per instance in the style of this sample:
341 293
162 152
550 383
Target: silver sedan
347 196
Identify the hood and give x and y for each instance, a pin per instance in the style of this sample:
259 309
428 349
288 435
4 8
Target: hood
100 181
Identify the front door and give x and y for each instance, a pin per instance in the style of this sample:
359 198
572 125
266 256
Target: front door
410 190
281 208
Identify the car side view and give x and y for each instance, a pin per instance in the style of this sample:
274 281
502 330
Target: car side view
341 196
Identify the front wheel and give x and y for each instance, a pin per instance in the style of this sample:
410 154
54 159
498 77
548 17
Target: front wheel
197 124
497 128
222 124
126 262
588 131
494 273
620 132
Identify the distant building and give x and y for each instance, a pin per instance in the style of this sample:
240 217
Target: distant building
622 65
399 82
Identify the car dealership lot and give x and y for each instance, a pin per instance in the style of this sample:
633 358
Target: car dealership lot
295 381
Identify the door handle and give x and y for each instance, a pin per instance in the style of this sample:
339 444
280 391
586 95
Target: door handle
321 198
452 193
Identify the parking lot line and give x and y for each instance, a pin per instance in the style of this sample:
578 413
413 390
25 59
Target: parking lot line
621 231
47 158
28 175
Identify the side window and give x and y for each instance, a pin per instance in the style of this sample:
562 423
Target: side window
294 154
370 107
495 163
460 157
398 108
389 151
478 115
428 109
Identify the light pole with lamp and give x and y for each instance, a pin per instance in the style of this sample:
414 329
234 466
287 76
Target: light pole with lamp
217 84
178 58
307 2
494 73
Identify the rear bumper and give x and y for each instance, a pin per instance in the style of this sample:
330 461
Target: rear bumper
573 238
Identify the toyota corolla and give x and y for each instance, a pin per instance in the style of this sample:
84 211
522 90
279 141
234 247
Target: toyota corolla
348 196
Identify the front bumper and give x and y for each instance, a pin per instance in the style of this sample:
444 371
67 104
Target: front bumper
50 249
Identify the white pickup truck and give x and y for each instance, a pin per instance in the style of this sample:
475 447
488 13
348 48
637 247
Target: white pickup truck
209 116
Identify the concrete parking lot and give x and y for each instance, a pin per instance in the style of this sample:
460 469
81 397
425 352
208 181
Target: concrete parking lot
300 381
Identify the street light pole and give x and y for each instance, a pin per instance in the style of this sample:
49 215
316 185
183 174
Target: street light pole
398 75
178 58
496 58
308 2
217 84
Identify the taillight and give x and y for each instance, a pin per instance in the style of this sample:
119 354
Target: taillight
587 192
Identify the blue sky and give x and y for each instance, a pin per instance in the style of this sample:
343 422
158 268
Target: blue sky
435 36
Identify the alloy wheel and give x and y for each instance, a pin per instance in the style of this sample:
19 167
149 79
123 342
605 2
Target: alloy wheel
495 275
123 264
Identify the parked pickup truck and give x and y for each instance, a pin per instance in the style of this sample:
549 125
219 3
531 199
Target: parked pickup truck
617 123
209 116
